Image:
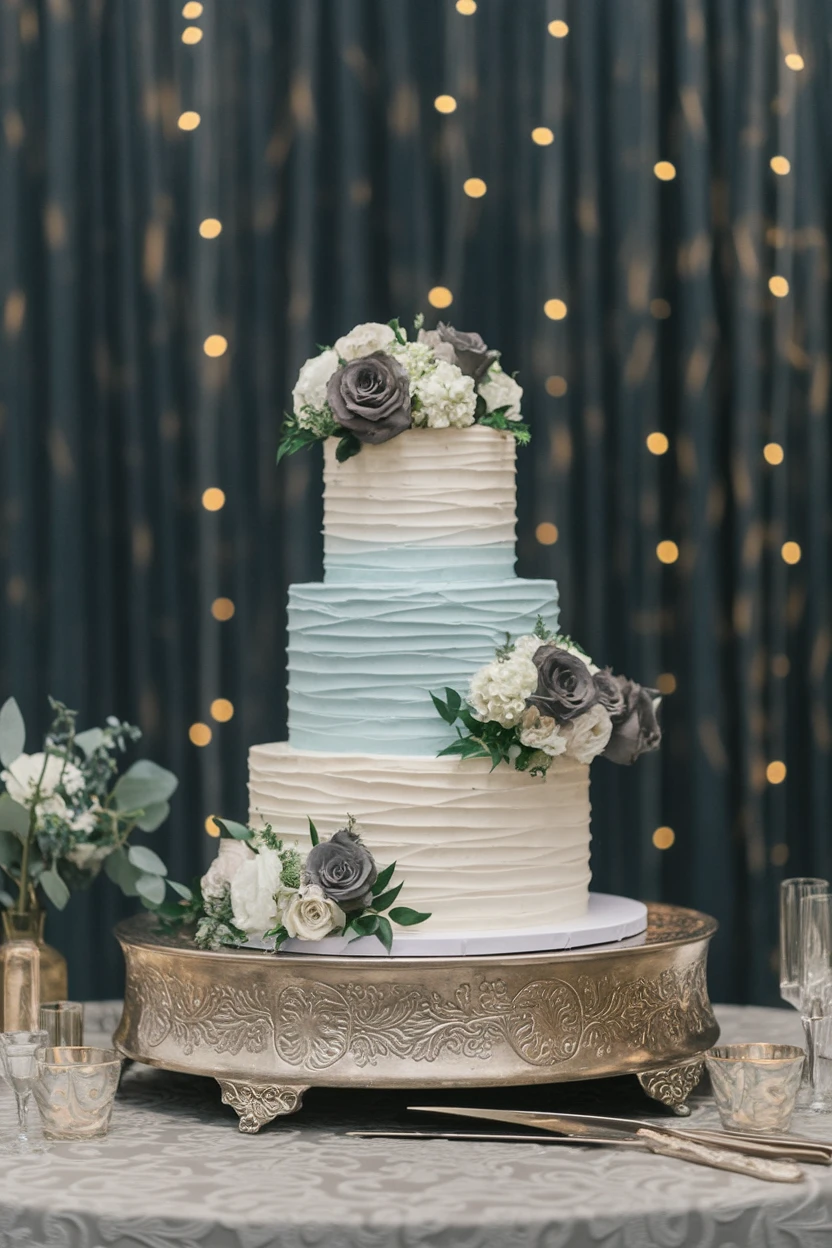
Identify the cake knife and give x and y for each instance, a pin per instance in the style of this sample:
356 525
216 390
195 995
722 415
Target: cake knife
663 1141
793 1148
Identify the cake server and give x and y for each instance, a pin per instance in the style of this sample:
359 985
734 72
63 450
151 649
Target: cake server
662 1140
792 1148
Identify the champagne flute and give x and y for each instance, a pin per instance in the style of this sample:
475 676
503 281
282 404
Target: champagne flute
18 1050
815 978
792 893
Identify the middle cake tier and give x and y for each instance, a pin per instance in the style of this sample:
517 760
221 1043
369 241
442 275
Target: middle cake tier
363 662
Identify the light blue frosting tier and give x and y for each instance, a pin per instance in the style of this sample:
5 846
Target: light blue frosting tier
406 565
362 665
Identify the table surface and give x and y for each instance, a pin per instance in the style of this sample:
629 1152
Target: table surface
176 1173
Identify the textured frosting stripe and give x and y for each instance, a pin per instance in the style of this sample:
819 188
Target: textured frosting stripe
356 564
481 850
362 665
427 487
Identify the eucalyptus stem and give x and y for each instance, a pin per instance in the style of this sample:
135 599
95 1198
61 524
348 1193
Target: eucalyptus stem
23 889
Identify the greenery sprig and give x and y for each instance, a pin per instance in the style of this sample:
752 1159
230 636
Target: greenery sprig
486 740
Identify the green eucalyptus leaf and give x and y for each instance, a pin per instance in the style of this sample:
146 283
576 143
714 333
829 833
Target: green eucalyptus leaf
383 879
12 732
146 860
13 817
89 740
154 816
143 785
151 888
120 870
10 849
6 899
55 888
385 933
229 828
387 899
182 889
406 917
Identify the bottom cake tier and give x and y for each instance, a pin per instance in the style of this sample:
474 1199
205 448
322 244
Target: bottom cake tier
481 850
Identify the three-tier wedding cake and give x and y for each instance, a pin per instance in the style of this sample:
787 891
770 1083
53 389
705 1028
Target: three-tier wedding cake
433 702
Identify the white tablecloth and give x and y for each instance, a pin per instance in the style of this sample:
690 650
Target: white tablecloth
176 1173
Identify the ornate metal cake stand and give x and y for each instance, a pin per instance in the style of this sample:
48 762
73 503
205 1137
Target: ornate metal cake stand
268 1027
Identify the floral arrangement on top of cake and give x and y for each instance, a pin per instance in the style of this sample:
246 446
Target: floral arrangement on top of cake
543 698
260 888
373 384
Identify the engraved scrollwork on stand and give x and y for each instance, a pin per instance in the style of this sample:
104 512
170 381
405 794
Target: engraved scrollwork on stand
258 1103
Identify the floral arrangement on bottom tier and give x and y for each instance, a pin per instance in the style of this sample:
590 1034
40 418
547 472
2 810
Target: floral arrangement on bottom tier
259 888
543 698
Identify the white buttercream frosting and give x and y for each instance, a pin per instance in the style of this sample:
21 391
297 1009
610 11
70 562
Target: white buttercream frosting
427 487
479 849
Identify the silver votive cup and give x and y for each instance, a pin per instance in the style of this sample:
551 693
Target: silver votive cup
755 1085
75 1090
63 1022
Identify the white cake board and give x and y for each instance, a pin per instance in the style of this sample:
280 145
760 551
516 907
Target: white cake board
607 919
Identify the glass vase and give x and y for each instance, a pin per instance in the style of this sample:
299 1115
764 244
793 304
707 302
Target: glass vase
53 973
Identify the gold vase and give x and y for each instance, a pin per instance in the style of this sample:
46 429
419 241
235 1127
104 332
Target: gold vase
53 974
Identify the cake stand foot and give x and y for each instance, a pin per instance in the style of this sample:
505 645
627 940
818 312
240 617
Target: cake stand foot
672 1085
258 1103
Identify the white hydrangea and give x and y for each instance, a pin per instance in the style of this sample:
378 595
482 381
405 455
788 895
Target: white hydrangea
446 398
230 857
416 359
364 339
500 390
588 734
499 690
310 387
255 886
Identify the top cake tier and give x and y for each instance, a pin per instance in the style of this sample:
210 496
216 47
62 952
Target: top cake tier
435 505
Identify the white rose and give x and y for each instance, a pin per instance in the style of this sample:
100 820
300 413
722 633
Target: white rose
21 780
499 690
364 339
311 915
446 398
230 857
500 390
254 886
310 387
541 732
85 856
587 735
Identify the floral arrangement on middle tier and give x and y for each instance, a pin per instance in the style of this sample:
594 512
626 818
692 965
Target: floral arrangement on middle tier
260 888
543 698
374 384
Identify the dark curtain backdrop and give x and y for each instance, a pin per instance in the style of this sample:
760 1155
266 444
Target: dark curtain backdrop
339 188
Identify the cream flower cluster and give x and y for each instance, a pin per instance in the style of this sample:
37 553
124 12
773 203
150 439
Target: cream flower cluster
443 396
32 774
499 691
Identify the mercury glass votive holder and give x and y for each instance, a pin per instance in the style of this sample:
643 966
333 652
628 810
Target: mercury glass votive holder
75 1090
755 1086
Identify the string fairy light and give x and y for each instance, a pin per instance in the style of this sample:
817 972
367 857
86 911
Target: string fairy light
664 170
445 104
222 609
657 443
222 710
773 453
210 227
213 499
663 838
776 772
555 309
547 533
475 188
191 35
543 136
215 345
210 827
200 734
558 29
667 552
790 552
188 120
556 386
440 297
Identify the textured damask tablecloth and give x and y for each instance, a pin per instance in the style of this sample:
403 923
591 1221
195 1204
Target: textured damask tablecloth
175 1173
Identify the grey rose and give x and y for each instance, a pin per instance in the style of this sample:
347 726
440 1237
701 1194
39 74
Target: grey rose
472 356
344 869
616 694
442 350
565 687
371 397
637 732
